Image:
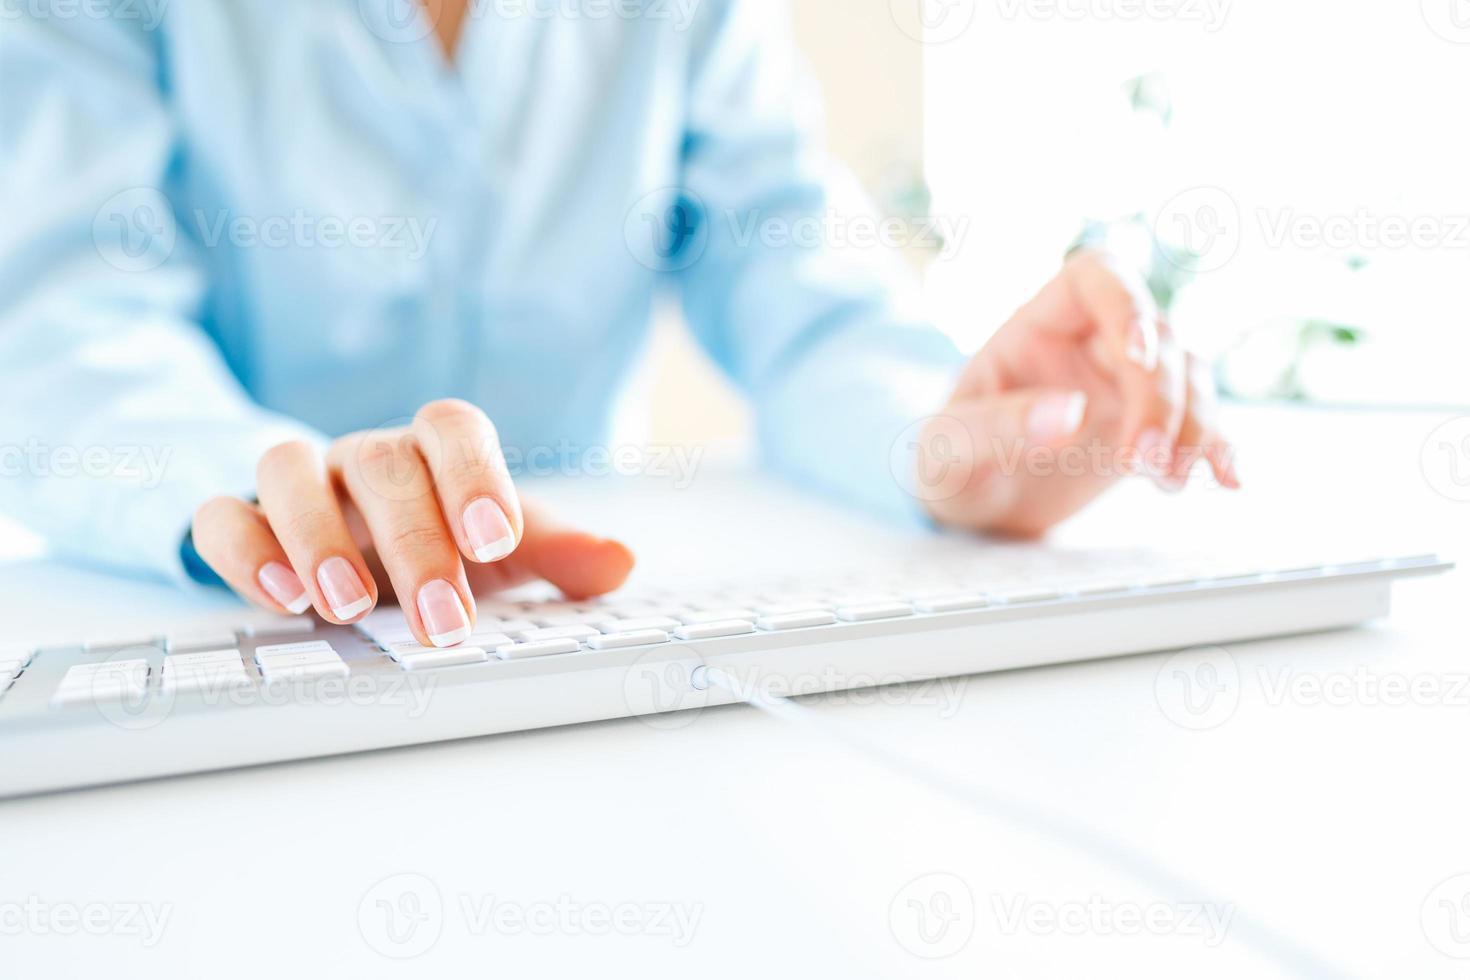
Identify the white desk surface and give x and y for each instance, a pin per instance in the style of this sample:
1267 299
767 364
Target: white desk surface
736 846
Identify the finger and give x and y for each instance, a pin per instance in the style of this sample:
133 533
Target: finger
234 539
1120 305
476 494
1148 364
1154 409
389 482
578 563
301 509
1095 295
1199 435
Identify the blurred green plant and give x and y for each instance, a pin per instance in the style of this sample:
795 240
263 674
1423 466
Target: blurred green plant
1169 266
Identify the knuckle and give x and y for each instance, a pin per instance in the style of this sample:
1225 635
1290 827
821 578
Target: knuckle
311 525
475 465
447 411
378 454
211 519
282 456
389 468
415 538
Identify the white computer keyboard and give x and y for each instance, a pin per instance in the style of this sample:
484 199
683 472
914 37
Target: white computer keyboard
123 707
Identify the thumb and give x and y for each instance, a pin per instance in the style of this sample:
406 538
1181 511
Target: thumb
578 563
1018 419
1000 428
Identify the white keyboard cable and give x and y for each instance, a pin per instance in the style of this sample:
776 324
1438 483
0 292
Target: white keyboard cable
1266 940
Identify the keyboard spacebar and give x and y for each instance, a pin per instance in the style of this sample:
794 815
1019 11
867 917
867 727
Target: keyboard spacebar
536 648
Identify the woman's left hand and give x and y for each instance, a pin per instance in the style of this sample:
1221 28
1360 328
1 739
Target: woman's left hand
1083 385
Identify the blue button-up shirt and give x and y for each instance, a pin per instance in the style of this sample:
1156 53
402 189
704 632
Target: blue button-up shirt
232 222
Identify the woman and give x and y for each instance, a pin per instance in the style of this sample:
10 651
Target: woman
321 259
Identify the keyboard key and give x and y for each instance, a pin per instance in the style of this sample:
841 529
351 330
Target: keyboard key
109 681
1009 596
387 636
562 618
796 620
400 651
661 611
283 661
203 658
788 608
204 677
421 658
101 667
281 626
510 626
556 633
299 661
633 638
115 645
881 610
9 669
695 618
112 689
501 610
706 631
188 642
536 648
663 623
18 656
950 603
264 653
276 673
23 655
869 600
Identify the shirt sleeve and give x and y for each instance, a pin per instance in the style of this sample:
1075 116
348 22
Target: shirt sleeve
783 280
118 414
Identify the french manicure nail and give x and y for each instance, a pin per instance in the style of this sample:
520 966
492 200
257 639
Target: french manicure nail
1154 453
443 614
1142 345
346 595
488 530
1056 416
282 585
1222 457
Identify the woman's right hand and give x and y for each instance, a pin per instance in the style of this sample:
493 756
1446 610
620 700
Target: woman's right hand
429 506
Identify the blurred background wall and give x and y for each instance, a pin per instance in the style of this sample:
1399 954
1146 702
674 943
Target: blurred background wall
872 79
1293 174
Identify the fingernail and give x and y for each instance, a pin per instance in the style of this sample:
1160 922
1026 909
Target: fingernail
346 595
282 585
1142 346
1056 416
488 530
1230 476
443 614
1154 454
